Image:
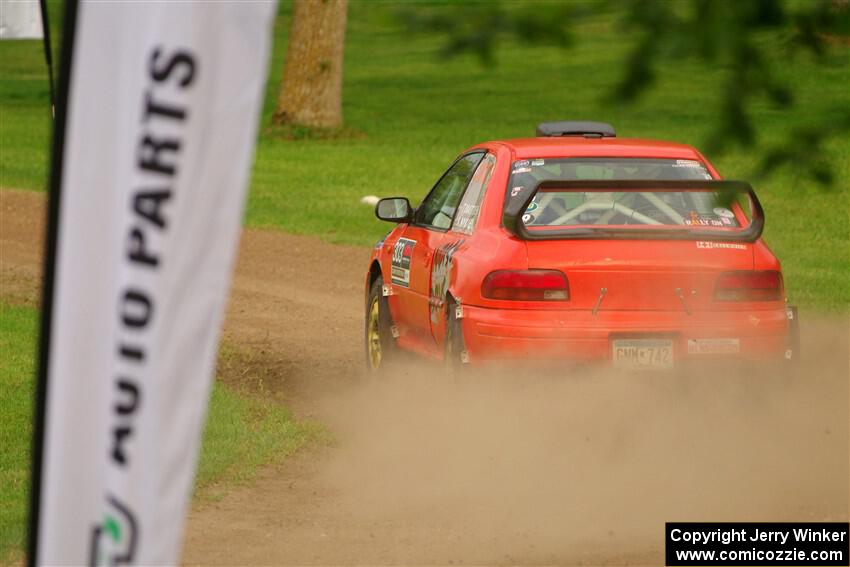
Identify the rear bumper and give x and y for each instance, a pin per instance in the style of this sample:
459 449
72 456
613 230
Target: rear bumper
498 334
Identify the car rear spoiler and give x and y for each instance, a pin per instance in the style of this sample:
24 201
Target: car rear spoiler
519 202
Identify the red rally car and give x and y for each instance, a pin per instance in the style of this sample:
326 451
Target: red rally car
578 245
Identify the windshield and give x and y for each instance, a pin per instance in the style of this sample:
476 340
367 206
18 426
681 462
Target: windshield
576 208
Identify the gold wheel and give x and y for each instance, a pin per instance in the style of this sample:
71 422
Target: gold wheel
373 334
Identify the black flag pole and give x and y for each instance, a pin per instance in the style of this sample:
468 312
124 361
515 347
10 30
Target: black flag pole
53 203
48 55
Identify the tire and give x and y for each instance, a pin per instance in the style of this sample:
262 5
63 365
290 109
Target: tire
380 346
454 347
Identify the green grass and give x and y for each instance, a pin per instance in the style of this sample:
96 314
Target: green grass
244 430
413 112
17 364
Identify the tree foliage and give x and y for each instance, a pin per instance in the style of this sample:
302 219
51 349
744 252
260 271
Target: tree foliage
739 36
479 27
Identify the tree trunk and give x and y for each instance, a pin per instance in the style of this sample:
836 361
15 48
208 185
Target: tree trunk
311 93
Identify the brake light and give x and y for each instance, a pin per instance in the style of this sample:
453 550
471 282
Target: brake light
749 286
526 285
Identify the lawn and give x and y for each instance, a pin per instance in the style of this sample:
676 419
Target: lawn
17 367
411 112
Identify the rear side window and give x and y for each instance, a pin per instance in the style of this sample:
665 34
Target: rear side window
438 208
467 212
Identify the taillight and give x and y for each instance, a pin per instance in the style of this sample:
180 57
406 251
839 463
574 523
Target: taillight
749 286
526 285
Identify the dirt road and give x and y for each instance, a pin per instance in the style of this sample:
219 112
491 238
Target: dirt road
578 469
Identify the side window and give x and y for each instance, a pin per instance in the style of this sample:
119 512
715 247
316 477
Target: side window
470 205
438 208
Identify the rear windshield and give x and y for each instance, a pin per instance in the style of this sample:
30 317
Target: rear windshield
575 208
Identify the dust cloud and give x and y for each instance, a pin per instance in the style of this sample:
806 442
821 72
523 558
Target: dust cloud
585 466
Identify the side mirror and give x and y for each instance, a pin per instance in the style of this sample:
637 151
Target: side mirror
394 209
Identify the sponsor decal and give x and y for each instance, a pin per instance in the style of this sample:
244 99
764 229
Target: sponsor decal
515 191
402 257
688 163
537 162
528 218
724 212
467 214
714 346
523 163
532 207
522 170
696 219
440 276
113 542
704 222
723 245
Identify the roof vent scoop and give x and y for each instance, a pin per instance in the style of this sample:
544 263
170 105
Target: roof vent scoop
586 129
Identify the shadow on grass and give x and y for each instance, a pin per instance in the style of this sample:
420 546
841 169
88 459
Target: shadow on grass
296 132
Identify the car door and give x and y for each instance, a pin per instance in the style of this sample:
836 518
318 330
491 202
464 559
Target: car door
413 252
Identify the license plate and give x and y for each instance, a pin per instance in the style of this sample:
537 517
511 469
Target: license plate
643 353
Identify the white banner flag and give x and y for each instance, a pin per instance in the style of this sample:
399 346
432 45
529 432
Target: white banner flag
20 19
149 181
